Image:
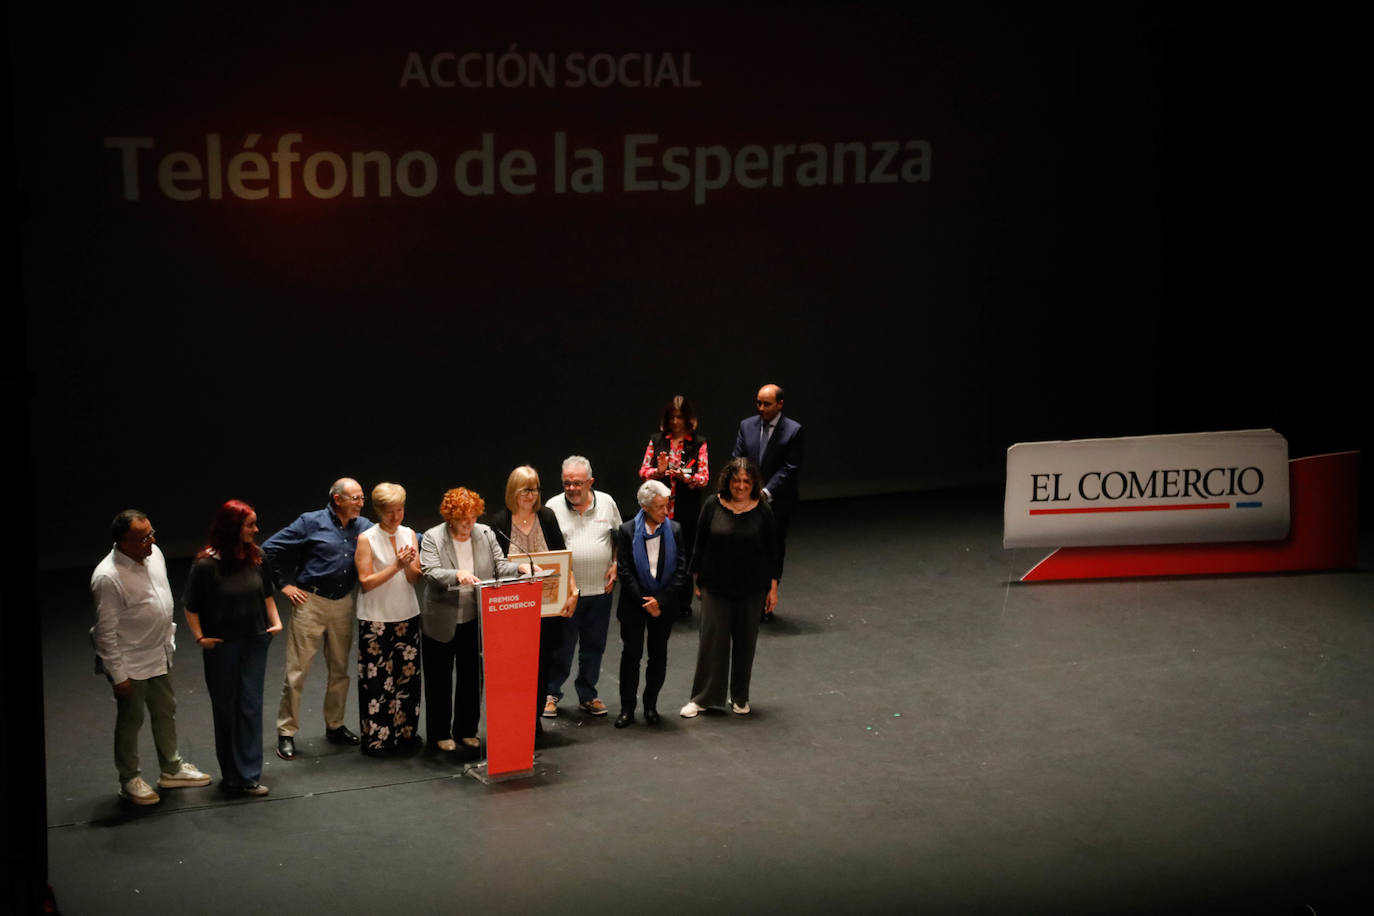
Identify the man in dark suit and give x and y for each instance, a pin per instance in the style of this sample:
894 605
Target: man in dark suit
777 445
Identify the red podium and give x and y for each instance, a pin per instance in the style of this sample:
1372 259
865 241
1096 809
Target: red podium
510 667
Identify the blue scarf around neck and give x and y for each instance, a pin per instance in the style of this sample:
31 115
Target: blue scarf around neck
667 554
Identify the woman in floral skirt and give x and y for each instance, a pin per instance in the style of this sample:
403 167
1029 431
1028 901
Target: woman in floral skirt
388 628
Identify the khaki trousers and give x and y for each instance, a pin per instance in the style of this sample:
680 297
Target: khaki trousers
157 694
319 621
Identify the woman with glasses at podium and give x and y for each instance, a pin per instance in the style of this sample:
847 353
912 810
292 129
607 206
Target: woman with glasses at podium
526 526
735 565
454 557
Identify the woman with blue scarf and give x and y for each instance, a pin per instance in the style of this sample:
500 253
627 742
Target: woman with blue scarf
652 568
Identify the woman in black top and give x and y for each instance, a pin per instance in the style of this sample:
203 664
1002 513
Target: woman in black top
232 615
735 566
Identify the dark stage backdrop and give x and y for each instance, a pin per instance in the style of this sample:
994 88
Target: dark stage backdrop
268 246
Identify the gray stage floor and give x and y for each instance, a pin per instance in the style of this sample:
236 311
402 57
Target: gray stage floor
926 737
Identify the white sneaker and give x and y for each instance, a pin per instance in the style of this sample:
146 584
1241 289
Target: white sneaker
692 710
187 776
550 706
139 792
739 709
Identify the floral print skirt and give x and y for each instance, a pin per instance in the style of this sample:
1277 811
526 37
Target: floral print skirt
389 683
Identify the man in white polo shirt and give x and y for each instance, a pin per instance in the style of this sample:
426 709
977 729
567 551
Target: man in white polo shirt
588 519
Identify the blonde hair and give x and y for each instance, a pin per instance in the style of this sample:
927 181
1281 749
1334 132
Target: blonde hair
520 478
386 495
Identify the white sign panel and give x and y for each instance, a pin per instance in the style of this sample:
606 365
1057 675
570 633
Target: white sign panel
1198 487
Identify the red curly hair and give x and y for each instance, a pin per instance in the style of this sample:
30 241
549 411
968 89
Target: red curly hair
460 503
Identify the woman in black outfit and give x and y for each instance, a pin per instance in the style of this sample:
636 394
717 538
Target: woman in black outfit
232 615
735 565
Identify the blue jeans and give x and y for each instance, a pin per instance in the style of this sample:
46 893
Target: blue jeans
584 631
234 673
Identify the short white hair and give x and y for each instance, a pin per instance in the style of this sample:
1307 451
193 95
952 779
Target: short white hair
573 461
651 490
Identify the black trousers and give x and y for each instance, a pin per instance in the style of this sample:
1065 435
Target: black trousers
550 641
453 684
637 627
725 655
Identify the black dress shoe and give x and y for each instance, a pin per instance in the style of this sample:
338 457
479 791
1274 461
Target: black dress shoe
624 719
650 715
341 735
286 747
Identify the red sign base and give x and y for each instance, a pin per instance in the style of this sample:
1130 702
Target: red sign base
1323 534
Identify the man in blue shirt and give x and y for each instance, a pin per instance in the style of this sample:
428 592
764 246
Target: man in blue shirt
311 563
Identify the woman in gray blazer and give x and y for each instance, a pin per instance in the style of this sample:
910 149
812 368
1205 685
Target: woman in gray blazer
454 557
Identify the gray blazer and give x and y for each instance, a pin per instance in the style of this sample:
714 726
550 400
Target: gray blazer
439 564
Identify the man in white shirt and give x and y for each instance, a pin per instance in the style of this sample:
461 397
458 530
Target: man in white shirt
588 519
134 639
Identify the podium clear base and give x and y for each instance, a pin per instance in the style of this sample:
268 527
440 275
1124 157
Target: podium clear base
478 771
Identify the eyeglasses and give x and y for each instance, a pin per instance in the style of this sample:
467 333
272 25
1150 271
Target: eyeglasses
574 484
526 491
352 499
145 541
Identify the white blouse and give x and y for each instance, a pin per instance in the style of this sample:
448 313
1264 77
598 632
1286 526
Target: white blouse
394 600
